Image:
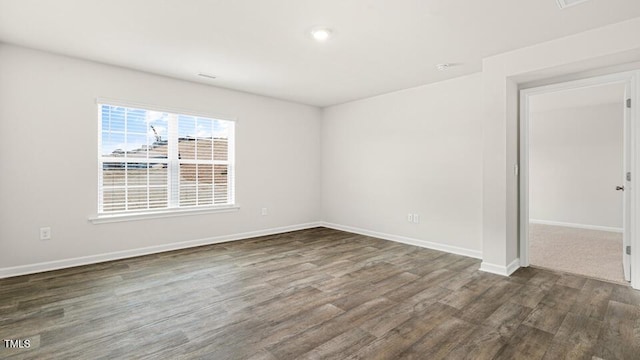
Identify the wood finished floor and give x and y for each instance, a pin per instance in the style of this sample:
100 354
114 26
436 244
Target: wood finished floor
315 294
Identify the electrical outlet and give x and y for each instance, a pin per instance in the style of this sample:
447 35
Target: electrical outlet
45 233
265 212
416 218
410 217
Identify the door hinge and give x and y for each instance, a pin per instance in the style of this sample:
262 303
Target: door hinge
628 176
629 250
628 103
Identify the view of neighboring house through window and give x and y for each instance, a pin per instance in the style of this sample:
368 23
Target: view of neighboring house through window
154 160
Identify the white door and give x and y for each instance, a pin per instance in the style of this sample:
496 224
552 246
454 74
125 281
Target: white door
625 186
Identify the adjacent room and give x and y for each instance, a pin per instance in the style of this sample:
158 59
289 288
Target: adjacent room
576 176
287 179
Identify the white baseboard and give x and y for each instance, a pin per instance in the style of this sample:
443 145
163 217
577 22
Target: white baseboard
407 240
92 259
500 269
577 226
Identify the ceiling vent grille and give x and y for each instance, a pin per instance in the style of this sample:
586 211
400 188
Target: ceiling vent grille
566 3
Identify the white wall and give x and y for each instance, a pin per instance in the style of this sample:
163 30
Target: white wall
575 162
48 158
601 47
50 101
411 151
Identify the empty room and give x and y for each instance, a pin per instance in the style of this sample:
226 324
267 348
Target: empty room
576 173
295 179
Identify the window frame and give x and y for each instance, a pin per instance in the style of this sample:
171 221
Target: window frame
173 207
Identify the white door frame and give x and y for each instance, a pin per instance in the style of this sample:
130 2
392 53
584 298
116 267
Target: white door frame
632 78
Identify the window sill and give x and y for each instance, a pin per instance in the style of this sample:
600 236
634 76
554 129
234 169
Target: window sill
103 219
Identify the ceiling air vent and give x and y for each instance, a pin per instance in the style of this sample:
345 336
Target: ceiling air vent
208 76
566 3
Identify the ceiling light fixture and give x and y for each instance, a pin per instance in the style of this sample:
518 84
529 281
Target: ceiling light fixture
566 3
321 34
443 67
206 76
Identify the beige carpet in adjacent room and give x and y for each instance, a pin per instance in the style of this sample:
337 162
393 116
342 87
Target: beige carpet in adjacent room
591 253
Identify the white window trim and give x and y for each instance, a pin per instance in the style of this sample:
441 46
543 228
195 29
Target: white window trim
175 110
163 213
103 218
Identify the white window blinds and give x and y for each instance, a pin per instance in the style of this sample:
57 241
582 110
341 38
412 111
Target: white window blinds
154 160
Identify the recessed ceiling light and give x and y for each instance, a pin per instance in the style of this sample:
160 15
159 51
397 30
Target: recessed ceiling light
321 34
566 3
206 76
443 67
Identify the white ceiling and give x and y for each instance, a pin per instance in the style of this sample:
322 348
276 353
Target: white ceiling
263 47
587 96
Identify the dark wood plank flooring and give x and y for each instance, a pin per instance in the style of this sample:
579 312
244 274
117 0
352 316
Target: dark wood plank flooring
314 294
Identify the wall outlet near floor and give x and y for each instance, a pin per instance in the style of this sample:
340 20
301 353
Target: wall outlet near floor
413 218
45 233
265 212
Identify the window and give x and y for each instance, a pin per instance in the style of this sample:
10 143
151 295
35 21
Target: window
157 161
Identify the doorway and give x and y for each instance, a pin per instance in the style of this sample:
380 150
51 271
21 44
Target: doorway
575 199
